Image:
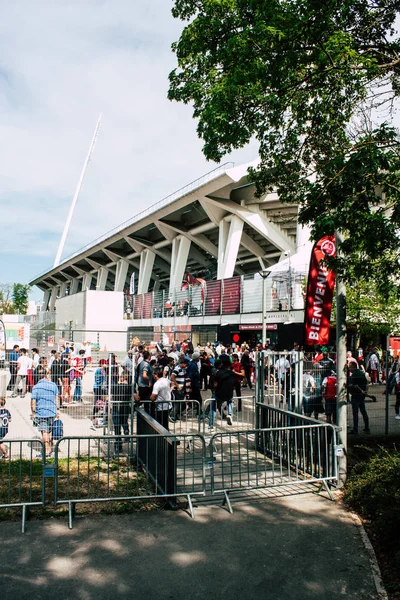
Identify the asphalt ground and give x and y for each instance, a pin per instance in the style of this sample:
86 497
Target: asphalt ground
293 547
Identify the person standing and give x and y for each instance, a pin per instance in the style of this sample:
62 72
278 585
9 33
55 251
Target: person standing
357 386
238 369
282 368
121 404
78 367
205 370
326 364
193 373
127 366
66 379
329 395
145 380
178 376
224 382
373 367
56 371
23 364
246 364
161 396
44 407
13 359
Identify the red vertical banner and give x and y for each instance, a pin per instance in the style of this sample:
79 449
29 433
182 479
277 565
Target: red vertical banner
321 283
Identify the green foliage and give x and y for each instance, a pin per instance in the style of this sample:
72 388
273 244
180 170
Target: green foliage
20 298
370 311
303 78
14 298
373 491
6 303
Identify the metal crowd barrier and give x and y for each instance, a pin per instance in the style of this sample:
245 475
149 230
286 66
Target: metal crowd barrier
134 467
266 458
154 463
184 415
23 475
242 415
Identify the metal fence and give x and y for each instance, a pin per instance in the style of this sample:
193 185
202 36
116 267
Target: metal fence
263 458
134 467
23 475
229 296
156 464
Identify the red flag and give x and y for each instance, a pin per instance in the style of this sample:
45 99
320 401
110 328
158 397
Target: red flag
321 283
190 279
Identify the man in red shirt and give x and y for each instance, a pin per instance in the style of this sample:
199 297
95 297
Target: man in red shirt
238 369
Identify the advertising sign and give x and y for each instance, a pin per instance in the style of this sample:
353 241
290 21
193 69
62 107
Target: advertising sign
321 283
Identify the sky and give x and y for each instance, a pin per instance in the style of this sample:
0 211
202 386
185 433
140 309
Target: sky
62 63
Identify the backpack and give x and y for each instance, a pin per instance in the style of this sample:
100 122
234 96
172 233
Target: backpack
330 390
58 429
225 379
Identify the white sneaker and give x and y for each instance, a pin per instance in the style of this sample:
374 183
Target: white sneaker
397 417
229 419
211 428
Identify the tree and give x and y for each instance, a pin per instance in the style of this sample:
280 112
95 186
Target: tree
14 298
6 304
370 313
316 84
20 298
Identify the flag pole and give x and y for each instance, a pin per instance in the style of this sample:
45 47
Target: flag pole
75 198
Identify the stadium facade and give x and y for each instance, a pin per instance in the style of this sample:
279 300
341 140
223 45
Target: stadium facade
189 266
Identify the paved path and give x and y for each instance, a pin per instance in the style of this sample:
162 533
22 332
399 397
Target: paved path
288 548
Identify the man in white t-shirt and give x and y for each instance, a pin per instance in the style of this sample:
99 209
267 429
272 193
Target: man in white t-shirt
23 364
282 368
161 395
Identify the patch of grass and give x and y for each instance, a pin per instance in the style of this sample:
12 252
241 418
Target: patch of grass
83 477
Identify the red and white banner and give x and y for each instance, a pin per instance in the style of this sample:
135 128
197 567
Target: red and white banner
321 283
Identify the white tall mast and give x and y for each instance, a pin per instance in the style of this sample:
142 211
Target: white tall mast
75 198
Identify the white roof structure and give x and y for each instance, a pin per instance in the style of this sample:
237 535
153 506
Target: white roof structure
214 227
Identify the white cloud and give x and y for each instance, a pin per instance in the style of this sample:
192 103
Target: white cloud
61 64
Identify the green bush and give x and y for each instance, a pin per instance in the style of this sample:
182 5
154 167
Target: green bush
373 491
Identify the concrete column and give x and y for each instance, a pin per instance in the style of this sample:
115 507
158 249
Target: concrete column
86 282
146 268
46 298
102 276
180 253
230 234
53 298
63 289
74 286
120 275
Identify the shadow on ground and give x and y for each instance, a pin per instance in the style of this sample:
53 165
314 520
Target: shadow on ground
293 547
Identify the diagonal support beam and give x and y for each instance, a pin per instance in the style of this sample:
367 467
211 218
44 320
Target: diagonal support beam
179 256
102 276
269 230
145 270
120 275
230 234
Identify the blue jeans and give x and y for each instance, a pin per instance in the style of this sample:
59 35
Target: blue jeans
218 404
78 390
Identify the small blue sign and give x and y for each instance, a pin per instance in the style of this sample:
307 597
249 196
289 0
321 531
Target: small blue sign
49 470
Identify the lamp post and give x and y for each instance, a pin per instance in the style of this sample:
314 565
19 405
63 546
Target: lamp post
264 274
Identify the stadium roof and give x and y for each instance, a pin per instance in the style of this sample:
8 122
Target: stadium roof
267 229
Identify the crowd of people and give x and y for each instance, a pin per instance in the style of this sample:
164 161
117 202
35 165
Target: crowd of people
155 376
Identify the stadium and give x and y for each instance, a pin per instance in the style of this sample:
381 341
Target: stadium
201 263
